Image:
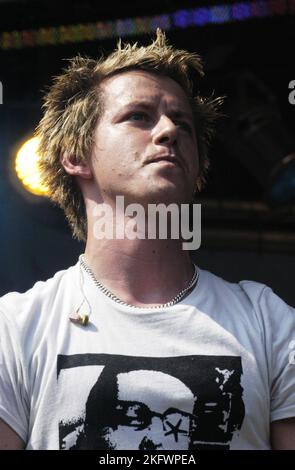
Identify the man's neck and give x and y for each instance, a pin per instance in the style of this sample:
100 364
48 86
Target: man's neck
140 272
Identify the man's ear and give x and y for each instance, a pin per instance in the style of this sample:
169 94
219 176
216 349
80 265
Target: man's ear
74 167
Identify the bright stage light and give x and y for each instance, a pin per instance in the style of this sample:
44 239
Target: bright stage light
26 167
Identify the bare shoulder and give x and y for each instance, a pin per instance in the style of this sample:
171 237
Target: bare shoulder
9 439
283 434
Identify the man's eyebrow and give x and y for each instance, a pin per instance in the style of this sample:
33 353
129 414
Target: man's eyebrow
141 103
132 105
182 114
144 104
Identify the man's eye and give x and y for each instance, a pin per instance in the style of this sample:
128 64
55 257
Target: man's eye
138 117
184 125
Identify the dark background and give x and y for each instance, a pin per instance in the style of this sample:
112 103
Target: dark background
246 234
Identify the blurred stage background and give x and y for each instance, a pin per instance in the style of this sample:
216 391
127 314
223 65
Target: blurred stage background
248 206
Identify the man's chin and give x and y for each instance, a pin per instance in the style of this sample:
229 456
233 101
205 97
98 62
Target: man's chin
167 196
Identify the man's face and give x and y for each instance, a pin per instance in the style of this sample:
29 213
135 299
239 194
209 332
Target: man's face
152 412
145 143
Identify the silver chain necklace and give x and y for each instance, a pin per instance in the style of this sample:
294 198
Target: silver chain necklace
108 293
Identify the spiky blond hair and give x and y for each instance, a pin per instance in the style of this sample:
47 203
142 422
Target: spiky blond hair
74 104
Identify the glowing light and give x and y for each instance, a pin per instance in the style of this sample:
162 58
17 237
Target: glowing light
241 11
201 16
160 21
220 14
260 9
183 18
237 11
26 167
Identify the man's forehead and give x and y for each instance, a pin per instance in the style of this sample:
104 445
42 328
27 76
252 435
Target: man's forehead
141 86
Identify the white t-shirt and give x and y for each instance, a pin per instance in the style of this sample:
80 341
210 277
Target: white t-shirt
209 372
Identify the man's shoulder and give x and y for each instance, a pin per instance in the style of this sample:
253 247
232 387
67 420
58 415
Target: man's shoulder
257 300
245 289
42 292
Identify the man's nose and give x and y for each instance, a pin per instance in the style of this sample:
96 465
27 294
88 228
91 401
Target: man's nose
165 131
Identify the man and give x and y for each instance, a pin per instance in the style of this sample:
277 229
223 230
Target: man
129 126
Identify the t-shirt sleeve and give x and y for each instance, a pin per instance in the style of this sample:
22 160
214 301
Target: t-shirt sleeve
279 321
14 404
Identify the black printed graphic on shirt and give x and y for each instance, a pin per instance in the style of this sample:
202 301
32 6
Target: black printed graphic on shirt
124 402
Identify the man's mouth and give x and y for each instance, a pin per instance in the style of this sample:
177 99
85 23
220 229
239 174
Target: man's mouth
169 159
